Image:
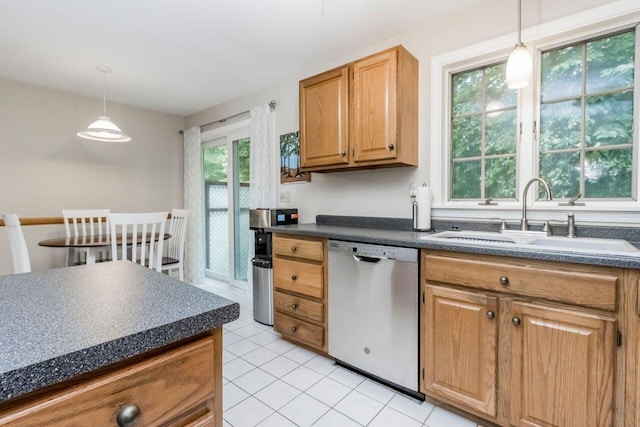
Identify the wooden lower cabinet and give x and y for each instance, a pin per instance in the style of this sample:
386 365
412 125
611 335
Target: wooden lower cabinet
179 387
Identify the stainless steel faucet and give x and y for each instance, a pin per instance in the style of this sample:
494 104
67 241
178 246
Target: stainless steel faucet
524 226
571 225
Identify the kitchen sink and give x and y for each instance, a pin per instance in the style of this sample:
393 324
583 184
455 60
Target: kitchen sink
472 237
585 243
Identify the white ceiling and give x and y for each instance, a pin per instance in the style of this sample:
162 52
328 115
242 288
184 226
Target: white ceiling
183 56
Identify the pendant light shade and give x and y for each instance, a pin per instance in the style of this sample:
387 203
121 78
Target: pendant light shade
104 129
519 64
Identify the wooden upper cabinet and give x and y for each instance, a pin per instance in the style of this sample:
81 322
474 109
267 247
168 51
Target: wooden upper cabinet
324 109
362 115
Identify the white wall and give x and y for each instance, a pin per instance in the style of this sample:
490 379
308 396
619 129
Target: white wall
45 167
385 192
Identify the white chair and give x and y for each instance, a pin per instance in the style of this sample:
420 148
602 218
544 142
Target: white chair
84 224
19 252
150 225
174 257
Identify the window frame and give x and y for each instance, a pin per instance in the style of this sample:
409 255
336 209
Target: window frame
574 29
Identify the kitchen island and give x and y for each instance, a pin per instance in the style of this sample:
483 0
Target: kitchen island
91 344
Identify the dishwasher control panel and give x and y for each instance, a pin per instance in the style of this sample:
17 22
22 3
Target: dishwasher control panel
374 251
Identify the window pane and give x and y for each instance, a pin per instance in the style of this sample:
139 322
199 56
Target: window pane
467 137
560 125
467 93
466 180
500 178
607 173
562 73
610 62
609 119
498 95
562 173
501 133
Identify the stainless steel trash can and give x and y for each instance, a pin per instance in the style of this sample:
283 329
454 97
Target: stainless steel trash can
263 290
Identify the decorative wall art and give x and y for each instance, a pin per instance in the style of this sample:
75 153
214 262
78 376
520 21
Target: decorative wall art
290 159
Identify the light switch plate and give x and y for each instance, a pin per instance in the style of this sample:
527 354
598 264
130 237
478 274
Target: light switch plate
285 197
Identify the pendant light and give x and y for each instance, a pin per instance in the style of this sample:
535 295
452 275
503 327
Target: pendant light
519 65
104 129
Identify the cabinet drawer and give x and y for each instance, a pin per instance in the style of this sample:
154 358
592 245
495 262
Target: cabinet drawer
580 285
164 387
299 330
301 277
312 250
299 307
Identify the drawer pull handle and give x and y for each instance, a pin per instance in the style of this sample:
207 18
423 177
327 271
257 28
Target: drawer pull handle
490 314
390 146
343 153
516 321
294 277
293 249
294 328
294 306
504 281
127 415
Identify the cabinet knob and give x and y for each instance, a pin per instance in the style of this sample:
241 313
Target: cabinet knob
390 146
504 281
127 415
516 321
294 328
343 153
294 306
293 249
490 314
294 277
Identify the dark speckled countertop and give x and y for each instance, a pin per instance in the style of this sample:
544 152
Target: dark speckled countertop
65 322
398 232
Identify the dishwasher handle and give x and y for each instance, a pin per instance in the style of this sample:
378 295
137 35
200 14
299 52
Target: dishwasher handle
361 258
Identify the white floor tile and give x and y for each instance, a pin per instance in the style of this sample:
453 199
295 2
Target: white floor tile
390 417
232 395
346 377
328 391
441 418
248 331
260 356
255 380
247 413
300 355
322 365
280 346
278 394
279 366
419 411
359 407
227 356
226 424
230 338
236 368
243 347
235 325
376 391
263 338
276 420
334 418
304 410
302 378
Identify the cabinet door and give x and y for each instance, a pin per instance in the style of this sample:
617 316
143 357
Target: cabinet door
374 107
460 348
324 115
562 364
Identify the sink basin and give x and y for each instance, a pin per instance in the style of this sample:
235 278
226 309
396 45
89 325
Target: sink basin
471 237
585 243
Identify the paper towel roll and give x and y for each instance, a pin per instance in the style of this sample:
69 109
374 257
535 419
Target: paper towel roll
423 200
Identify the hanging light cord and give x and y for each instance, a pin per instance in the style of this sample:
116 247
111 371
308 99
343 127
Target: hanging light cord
519 22
104 92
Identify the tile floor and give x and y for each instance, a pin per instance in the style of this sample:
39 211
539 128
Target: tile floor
269 382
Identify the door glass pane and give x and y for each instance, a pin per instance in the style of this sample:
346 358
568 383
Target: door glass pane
217 209
242 234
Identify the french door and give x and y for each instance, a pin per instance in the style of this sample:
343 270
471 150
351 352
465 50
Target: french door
226 198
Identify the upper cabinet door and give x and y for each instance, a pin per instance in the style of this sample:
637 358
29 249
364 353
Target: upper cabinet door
324 111
374 107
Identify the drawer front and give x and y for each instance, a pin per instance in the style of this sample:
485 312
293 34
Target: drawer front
299 330
585 286
301 277
298 307
163 387
312 250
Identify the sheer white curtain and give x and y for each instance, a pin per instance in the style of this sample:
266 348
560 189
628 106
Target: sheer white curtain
194 244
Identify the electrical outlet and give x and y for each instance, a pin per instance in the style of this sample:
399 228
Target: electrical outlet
285 197
413 188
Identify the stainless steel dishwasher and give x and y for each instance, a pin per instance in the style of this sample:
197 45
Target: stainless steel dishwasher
373 311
